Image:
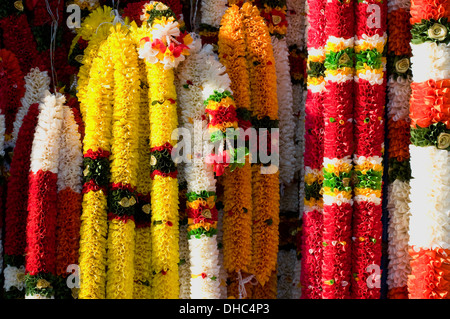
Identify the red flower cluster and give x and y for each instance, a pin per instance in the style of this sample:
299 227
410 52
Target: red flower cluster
340 19
368 25
313 156
134 10
41 226
316 19
368 117
338 130
67 230
366 249
221 115
198 215
18 38
430 103
312 251
337 233
17 191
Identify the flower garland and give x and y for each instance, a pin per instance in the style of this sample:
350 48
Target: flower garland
274 13
142 261
237 219
36 83
69 202
94 30
40 259
338 137
369 146
161 57
399 91
12 88
96 149
430 139
208 74
2 158
124 166
17 37
312 228
16 207
265 188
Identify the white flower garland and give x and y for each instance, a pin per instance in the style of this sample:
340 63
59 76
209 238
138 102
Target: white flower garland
430 61
45 148
212 11
398 207
399 91
184 269
430 220
36 83
286 264
70 154
285 110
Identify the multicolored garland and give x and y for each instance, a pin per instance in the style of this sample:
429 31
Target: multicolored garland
399 173
312 228
40 257
338 149
430 143
36 83
368 114
162 54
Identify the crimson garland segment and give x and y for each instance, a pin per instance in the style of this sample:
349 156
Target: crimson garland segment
338 144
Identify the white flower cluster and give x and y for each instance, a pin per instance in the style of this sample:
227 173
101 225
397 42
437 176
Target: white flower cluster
285 110
399 4
70 154
430 197
14 277
286 273
184 270
205 260
36 83
430 61
45 148
398 206
399 93
295 16
212 11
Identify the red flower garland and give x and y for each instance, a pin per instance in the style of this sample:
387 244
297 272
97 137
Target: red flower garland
17 197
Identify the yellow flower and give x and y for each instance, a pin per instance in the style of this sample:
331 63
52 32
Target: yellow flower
437 32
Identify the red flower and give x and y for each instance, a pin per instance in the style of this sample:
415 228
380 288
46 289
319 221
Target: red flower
220 162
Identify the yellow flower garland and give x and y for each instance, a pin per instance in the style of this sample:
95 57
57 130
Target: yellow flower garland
142 259
124 160
95 32
265 186
164 190
93 231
